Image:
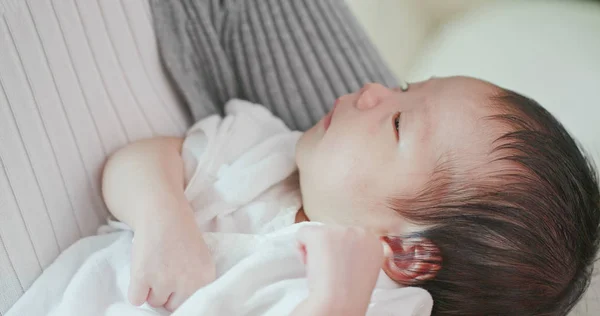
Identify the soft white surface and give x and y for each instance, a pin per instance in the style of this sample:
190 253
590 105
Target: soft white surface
241 181
549 51
399 28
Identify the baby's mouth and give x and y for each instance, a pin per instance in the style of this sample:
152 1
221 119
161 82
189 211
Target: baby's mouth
327 119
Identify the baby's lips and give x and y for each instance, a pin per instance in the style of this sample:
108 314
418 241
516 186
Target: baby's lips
302 249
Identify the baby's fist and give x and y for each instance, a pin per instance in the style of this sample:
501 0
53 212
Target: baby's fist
342 264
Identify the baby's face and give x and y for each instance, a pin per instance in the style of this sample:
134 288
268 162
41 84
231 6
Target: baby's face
355 158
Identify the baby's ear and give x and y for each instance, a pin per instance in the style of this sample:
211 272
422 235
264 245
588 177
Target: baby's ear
412 260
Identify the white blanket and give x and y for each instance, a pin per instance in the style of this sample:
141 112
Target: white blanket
266 277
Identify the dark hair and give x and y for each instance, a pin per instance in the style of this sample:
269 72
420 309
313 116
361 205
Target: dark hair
520 240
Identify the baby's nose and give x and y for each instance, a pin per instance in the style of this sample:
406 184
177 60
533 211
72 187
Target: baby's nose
371 95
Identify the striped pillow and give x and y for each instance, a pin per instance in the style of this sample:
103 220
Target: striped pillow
78 79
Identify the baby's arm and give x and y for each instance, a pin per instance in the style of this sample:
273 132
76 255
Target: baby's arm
143 186
143 183
312 307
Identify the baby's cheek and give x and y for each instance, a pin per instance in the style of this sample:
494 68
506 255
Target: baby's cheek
340 173
347 164
359 182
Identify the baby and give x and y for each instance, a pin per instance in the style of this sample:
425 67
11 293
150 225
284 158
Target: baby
478 195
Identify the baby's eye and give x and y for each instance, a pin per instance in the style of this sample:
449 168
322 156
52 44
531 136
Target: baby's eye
396 122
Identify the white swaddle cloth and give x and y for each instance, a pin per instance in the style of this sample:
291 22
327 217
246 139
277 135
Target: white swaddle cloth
271 280
257 275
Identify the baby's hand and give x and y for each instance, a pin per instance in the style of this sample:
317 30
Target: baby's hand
342 266
170 261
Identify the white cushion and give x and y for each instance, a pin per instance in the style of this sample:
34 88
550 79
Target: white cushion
549 51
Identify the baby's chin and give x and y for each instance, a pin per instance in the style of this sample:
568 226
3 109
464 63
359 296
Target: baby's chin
300 149
305 145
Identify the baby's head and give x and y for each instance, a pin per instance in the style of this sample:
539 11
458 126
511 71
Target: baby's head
470 177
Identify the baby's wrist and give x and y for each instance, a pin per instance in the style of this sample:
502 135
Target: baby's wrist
160 216
337 305
155 226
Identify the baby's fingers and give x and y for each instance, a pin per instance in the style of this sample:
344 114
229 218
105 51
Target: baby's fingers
138 292
158 297
175 301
